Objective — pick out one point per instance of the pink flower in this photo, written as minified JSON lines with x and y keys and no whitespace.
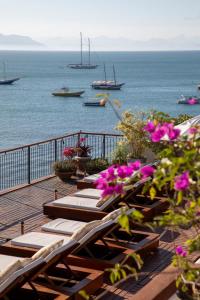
{"x":147,"y":171}
{"x":136,"y":165}
{"x":182,"y":182}
{"x":110,"y":190}
{"x":192,"y":130}
{"x":68,"y":152}
{"x":173,"y":133}
{"x":180,"y":251}
{"x":149,"y":127}
{"x":109,"y":174}
{"x":101,"y":184}
{"x":124,"y":171}
{"x":192,"y":101}
{"x":119,"y":189}
{"x":157,"y":135}
{"x":82,"y":140}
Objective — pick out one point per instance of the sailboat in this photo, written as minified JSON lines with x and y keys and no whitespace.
{"x":82,"y":65}
{"x":6,"y":80}
{"x":107,"y":84}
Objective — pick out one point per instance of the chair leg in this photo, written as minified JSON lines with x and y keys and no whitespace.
{"x":88,"y":251}
{"x":34,"y":289}
{"x":73,"y":275}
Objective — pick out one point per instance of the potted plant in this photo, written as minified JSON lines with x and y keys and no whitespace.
{"x":82,"y":156}
{"x":135,"y":138}
{"x":64,"y":169}
{"x":96,"y":165}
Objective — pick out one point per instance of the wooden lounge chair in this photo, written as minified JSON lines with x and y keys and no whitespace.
{"x":89,"y":181}
{"x":86,"y":205}
{"x":100,"y":240}
{"x":50,"y":278}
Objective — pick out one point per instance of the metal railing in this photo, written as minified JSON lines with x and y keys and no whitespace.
{"x":25,"y":164}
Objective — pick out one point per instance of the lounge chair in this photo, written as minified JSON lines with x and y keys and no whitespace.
{"x":87,"y":205}
{"x":89,"y":181}
{"x":100,"y":240}
{"x":54,"y":251}
{"x":16,"y":271}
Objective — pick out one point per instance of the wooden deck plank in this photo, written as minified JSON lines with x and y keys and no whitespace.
{"x":26,"y":204}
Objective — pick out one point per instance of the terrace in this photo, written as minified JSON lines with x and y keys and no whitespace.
{"x":27,"y":183}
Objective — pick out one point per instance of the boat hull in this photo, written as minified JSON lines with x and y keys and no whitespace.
{"x":94,"y":104}
{"x":186,"y":102}
{"x":8,"y":81}
{"x":107,"y":87}
{"x":68,"y":94}
{"x":80,"y":67}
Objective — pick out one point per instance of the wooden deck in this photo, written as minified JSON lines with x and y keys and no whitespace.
{"x":25,"y":204}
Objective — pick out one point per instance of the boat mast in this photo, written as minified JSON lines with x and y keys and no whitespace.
{"x":114,"y":75}
{"x":104,"y":67}
{"x":81,"y":48}
{"x":89,"y":51}
{"x":4,"y":70}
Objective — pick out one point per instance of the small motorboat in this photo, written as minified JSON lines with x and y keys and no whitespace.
{"x":100,"y":103}
{"x":65,"y":92}
{"x":190,"y":100}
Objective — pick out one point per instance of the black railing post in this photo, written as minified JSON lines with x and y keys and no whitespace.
{"x":79,"y":136}
{"x":104,"y":146}
{"x":29,"y":164}
{"x":55,"y":150}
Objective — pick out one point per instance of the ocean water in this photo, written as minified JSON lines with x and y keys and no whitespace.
{"x":29,"y":113}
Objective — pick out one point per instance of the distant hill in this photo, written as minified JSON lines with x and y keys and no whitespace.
{"x":14,"y":41}
{"x":103,"y":43}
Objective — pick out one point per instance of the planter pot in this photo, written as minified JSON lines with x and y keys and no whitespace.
{"x":64,"y":176}
{"x":184,"y":296}
{"x":81,"y":164}
{"x":132,"y":160}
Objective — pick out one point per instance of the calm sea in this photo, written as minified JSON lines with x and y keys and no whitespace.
{"x":29,"y":113}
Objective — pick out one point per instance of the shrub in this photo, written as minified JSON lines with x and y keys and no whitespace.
{"x":96,"y":165}
{"x":64,"y":166}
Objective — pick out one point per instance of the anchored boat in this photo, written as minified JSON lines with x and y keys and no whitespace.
{"x":107,"y":84}
{"x":190,"y":100}
{"x":6,"y":80}
{"x":65,"y":92}
{"x":81,"y":65}
{"x":100,"y":103}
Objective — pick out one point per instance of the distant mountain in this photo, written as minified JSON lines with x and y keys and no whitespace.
{"x":103,"y":43}
{"x":14,"y":41}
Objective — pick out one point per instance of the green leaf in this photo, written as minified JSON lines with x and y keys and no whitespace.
{"x":152,"y":192}
{"x":84,"y":295}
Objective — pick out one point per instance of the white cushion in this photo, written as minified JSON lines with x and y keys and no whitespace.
{"x":82,"y":232}
{"x":89,"y":193}
{"x":8,"y":267}
{"x":197,"y":261}
{"x":6,"y":260}
{"x":66,"y":245}
{"x":37,"y":240}
{"x":77,"y":202}
{"x":92,"y":178}
{"x":99,"y":227}
{"x":63,"y":226}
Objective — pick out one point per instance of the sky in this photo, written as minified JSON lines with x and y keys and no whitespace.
{"x":129,"y":19}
